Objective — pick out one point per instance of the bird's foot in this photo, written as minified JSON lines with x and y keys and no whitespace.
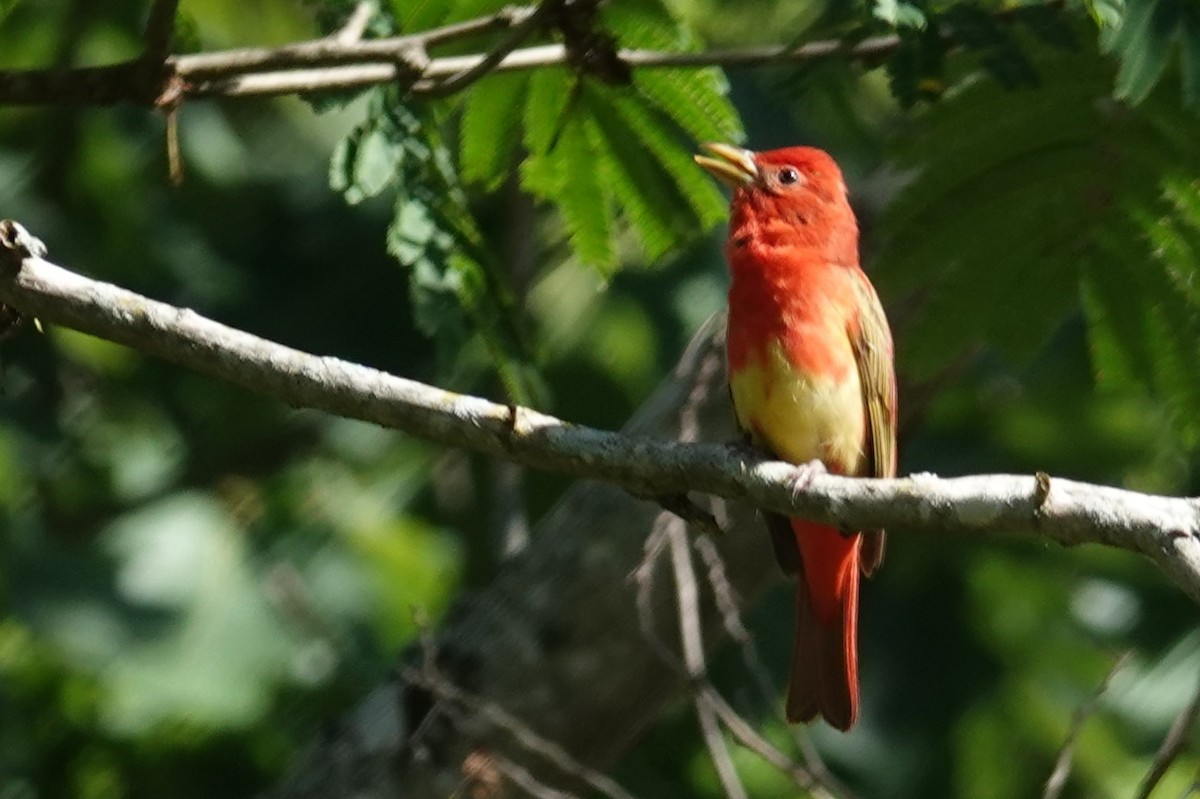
{"x":804,"y":475}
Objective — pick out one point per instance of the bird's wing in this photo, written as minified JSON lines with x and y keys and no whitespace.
{"x":872,"y":343}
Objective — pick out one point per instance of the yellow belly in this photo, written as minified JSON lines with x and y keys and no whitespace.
{"x":799,"y":417}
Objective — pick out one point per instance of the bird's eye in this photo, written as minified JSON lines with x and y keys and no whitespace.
{"x":788,"y":175}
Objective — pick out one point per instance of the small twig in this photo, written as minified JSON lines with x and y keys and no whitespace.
{"x":686,"y":509}
{"x":174,"y":157}
{"x":509,"y":518}
{"x":330,"y":51}
{"x":687,"y":594}
{"x":819,"y":786}
{"x":511,"y":41}
{"x":522,"y":778}
{"x":429,"y":677}
{"x":718,"y":751}
{"x":1063,"y":763}
{"x":643,"y":577}
{"x":1171,"y":745}
{"x":819,"y":783}
{"x":726,"y":600}
{"x":355,"y":26}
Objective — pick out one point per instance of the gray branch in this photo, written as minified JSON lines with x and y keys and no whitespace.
{"x":1165,"y":529}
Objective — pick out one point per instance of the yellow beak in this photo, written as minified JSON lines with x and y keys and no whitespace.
{"x":733,"y":166}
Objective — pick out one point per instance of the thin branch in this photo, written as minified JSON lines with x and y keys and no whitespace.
{"x":1171,"y":745}
{"x":430,"y":678}
{"x":355,"y":26}
{"x":324,"y":65}
{"x":709,"y":702}
{"x":819,"y":786}
{"x":1066,"y":754}
{"x":523,"y":779}
{"x":427,"y":80}
{"x":511,"y":41}
{"x":687,"y":594}
{"x":1165,"y":529}
{"x":727,"y":603}
{"x":330,"y":51}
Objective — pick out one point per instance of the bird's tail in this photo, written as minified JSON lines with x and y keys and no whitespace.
{"x":824,"y":678}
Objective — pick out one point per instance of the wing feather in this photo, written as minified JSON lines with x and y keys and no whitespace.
{"x":872,"y":343}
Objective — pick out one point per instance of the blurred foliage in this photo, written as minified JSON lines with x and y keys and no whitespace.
{"x":193,"y":578}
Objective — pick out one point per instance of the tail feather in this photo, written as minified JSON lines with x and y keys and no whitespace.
{"x":824,"y":676}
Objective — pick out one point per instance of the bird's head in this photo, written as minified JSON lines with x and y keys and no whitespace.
{"x":791,"y":193}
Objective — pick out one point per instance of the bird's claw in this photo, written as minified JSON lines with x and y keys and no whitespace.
{"x":804,"y":475}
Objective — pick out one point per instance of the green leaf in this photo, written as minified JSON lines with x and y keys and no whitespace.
{"x":604,"y":154}
{"x":1143,"y":47}
{"x":916,"y":69}
{"x":182,"y":557}
{"x":1155,"y":299}
{"x":1056,"y":201}
{"x":983,"y":32}
{"x":1143,"y":41}
{"x":997,"y":229}
{"x":899,"y":14}
{"x":424,"y":14}
{"x":491,"y":128}
{"x":695,"y":100}
{"x":415,"y":236}
{"x":635,"y":158}
{"x":651,"y":203}
{"x":376,"y":159}
{"x":1105,"y":13}
{"x":550,"y":91}
{"x":646,"y":24}
{"x":1048,"y":23}
{"x":1144,"y":309}
{"x":368,"y":159}
{"x":455,"y":287}
{"x":583,"y":198}
{"x":698,"y":190}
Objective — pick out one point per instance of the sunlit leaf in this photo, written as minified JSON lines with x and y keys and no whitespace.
{"x":583,"y":199}
{"x":491,"y":128}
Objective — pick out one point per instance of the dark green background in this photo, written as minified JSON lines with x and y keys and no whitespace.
{"x":193,"y":578}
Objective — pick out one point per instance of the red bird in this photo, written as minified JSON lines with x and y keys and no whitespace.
{"x":812,"y":379}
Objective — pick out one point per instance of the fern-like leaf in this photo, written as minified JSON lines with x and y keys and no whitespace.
{"x":491,"y":128}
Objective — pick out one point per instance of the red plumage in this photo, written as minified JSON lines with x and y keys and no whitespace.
{"x":811,"y":375}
